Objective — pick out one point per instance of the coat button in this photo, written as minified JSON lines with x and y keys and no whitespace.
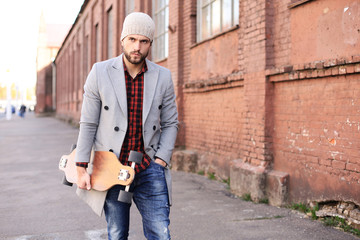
{"x":154,"y":127}
{"x":110,"y":150}
{"x":116,"y":129}
{"x":160,"y":107}
{"x":106,"y":108}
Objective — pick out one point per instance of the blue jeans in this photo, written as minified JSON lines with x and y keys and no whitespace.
{"x":151,"y":199}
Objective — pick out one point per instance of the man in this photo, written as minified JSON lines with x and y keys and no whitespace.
{"x":129,"y":104}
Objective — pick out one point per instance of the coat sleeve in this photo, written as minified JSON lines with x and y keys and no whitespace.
{"x":169,"y":123}
{"x":89,"y":119}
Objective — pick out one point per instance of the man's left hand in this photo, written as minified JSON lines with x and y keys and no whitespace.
{"x":160,"y":162}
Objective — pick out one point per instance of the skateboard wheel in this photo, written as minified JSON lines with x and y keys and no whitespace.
{"x":66,"y":182}
{"x":73,"y":146}
{"x":125,"y":197}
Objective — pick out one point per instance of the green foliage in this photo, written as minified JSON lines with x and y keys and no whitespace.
{"x":264,"y":201}
{"x":306,"y":209}
{"x":341,"y":223}
{"x":246,"y":197}
{"x":328,"y":221}
{"x":313,"y":212}
{"x":331,"y":221}
{"x":201,"y":172}
{"x":211,"y":176}
{"x":227,"y":181}
{"x":300,"y":207}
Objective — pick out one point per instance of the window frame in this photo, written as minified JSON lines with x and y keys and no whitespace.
{"x":203,"y":4}
{"x":109,"y":16}
{"x":129,"y":7}
{"x":97,"y":42}
{"x":160,"y":46}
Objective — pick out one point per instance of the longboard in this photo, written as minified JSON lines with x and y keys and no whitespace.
{"x":107,"y":170}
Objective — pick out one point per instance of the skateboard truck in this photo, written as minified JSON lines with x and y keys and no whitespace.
{"x":124,"y":195}
{"x":62,"y":165}
{"x":123,"y":175}
{"x":63,"y":162}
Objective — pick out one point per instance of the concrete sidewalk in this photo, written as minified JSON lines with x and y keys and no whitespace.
{"x":35,"y":205}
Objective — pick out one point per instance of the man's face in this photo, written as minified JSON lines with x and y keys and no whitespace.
{"x":136,"y":48}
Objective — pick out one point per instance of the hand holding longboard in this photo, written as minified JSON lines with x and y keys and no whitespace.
{"x":107,"y":171}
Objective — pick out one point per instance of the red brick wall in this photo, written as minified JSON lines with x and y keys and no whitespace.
{"x":316,"y":137}
{"x":174,"y":61}
{"x":44,"y":90}
{"x":215,"y":58}
{"x":213,"y":97}
{"x":315,"y":106}
{"x":213,"y":127}
{"x":330,"y":30}
{"x":254,"y":50}
{"x":279,"y":91}
{"x":278,"y":35}
{"x":187,"y":35}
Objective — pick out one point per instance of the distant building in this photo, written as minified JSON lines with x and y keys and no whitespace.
{"x":267,"y":91}
{"x":50,"y":39}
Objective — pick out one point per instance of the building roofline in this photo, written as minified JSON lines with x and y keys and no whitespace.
{"x":83,"y":6}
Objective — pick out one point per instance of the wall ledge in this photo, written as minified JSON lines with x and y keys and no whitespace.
{"x":316,"y":69}
{"x":295,"y":3}
{"x":216,"y":83}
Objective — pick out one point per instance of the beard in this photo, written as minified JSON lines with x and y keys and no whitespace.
{"x":134,"y":60}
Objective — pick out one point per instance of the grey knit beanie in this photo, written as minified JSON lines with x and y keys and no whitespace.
{"x":138,"y":23}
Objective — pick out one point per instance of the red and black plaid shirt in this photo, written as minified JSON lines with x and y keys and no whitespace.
{"x":134,"y":138}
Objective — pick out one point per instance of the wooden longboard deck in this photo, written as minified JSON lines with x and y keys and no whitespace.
{"x":107,"y":170}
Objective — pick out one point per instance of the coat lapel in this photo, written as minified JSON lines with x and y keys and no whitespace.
{"x":150,"y":82}
{"x":116,"y":73}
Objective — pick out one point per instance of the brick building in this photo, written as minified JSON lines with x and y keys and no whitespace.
{"x":268,"y":91}
{"x":49,"y":41}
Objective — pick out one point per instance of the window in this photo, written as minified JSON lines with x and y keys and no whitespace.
{"x":129,"y":6}
{"x":216,"y":16}
{"x":160,"y":48}
{"x":109,"y":33}
{"x":97,"y":43}
{"x":86,"y":55}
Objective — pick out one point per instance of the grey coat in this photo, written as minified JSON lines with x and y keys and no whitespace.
{"x":103,"y":122}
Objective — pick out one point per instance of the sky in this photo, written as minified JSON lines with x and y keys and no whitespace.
{"x":19,"y":26}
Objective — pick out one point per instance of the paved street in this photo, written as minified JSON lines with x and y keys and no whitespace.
{"x":35,"y":205}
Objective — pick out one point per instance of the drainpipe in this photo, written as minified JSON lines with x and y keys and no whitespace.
{"x":53,"y":65}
